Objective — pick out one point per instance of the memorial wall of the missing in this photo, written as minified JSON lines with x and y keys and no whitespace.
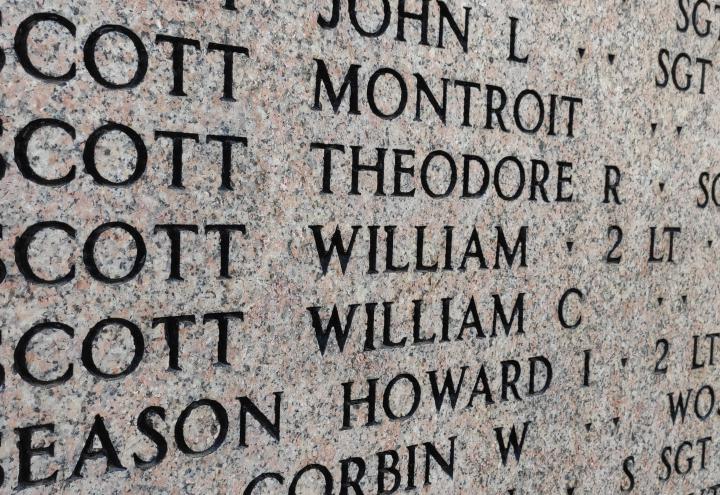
{"x":359,"y":247}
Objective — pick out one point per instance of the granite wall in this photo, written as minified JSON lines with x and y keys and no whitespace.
{"x":359,"y":247}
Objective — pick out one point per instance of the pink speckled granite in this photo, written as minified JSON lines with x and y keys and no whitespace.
{"x":579,"y":437}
